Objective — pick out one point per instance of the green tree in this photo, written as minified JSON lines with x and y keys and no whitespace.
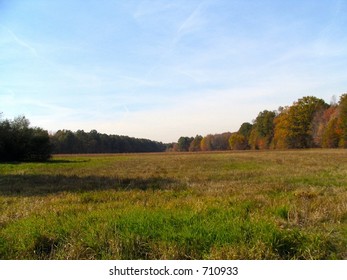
{"x":195,"y":144}
{"x":300,"y":126}
{"x":262,"y":132}
{"x":245,"y":129}
{"x":184,"y":143}
{"x":19,"y":142}
{"x":5,"y":140}
{"x":39,"y":146}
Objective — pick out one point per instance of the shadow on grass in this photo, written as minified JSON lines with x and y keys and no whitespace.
{"x":30,"y":185}
{"x":55,"y":161}
{"x":50,"y":161}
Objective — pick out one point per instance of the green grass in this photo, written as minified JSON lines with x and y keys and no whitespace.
{"x":233,"y":205}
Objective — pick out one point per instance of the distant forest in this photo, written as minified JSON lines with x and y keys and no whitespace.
{"x":308,"y":123}
{"x":68,"y":142}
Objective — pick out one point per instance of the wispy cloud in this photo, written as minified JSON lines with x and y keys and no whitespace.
{"x":20,"y":42}
{"x":193,"y":22}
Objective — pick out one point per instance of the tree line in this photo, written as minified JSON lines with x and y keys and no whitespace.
{"x":20,"y":142}
{"x":308,"y":123}
{"x":81,"y":142}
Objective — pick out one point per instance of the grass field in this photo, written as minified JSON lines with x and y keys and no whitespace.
{"x":232,"y":205}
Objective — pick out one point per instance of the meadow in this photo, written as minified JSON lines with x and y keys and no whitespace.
{"x":227,"y":205}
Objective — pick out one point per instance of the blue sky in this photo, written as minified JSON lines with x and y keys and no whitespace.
{"x":162,"y":69}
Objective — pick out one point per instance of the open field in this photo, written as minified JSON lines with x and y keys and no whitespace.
{"x":233,"y":205}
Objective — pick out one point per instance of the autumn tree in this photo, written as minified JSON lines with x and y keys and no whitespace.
{"x":206,"y":143}
{"x":343,"y":120}
{"x":237,"y":141}
{"x":220,"y":142}
{"x":281,"y":129}
{"x":319,"y":124}
{"x":332,"y":134}
{"x":195,"y":145}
